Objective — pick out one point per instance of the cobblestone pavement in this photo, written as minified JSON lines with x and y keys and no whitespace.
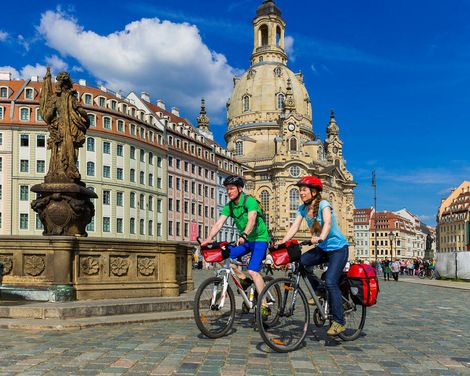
{"x":415,"y":329}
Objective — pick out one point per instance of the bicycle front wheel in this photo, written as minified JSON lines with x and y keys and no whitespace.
{"x":213,"y":319}
{"x":355,"y":318}
{"x":422,"y":274}
{"x":292,"y":316}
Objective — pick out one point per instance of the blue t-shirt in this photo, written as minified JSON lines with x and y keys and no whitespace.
{"x":335,"y":239}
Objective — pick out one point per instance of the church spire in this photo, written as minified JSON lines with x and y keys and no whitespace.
{"x":289,"y":103}
{"x":202,"y":119}
{"x":332,"y":128}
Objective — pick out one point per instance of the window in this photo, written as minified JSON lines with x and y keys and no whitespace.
{"x":178,"y":228}
{"x":159,"y":206}
{"x":4,"y":92}
{"x":294,"y":199}
{"x":91,"y":119}
{"x":119,"y":223}
{"x":38,"y":115}
{"x":88,"y":99}
{"x":119,"y":173}
{"x":120,"y":126}
{"x":159,"y":228}
{"x":151,"y":203}
{"x":39,"y":225}
{"x":24,"y":114}
{"x":1,"y":164}
{"x":90,"y":169}
{"x":159,"y":183}
{"x":239,"y":148}
{"x":170,"y":161}
{"x":150,"y":228}
{"x":40,"y":166}
{"x":24,"y":140}
{"x":106,"y":171}
{"x":159,"y":162}
{"x":101,"y":101}
{"x":178,"y":206}
{"x":132,"y":226}
{"x":142,"y":156}
{"x":24,"y":193}
{"x":2,"y":113}
{"x":170,"y":181}
{"x":186,"y":229}
{"x":91,"y":226}
{"x":29,"y":93}
{"x":132,"y":129}
{"x":132,"y":152}
{"x":151,"y":180}
{"x":106,"y":197}
{"x":23,"y":221}
{"x":141,"y":202}
{"x":170,"y":204}
{"x":151,"y":158}
{"x":106,"y":147}
{"x":293,"y":144}
{"x":246,"y":103}
{"x":170,"y":228}
{"x":132,"y":200}
{"x":24,"y":165}
{"x":113,"y":105}
{"x":40,"y":141}
{"x":178,"y":184}
{"x":142,"y":177}
{"x":294,"y":171}
{"x":132,"y":175}
{"x":142,"y":227}
{"x":90,"y":144}
{"x":280,"y":101}
{"x":106,"y":224}
{"x":119,"y":150}
{"x":119,"y":198}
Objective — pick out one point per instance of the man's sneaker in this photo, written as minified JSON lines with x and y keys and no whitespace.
{"x":246,"y":282}
{"x":335,"y":329}
{"x":265,"y":312}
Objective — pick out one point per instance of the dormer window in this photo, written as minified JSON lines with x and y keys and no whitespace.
{"x":101,"y":101}
{"x":4,"y":92}
{"x":24,"y":114}
{"x":88,"y":99}
{"x":106,"y":123}
{"x":29,"y":94}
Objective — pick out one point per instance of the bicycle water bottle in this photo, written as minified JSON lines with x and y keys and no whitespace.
{"x":252,"y":294}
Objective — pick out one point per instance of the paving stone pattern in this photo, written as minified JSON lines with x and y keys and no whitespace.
{"x":415,"y":329}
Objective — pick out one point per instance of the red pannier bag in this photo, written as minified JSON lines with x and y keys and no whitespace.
{"x":286,"y":253}
{"x":364,"y":284}
{"x":215,"y":252}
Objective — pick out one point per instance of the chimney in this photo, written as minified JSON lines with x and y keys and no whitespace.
{"x":161,"y":104}
{"x":145,"y":96}
{"x":118,"y":94}
{"x":34,"y":78}
{"x":175,"y":111}
{"x":5,"y":76}
{"x":82,"y":82}
{"x":103,"y":89}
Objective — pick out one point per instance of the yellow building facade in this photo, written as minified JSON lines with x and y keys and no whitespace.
{"x":269,"y":116}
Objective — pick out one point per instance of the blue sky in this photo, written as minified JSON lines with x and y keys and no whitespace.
{"x":396,"y":72}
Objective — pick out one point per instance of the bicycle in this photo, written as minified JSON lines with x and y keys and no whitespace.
{"x":214,"y":303}
{"x":423,"y":273}
{"x":292,"y":311}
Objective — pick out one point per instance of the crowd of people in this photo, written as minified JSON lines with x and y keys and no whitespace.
{"x":396,"y":267}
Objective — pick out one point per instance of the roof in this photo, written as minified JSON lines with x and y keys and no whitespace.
{"x":268,"y":7}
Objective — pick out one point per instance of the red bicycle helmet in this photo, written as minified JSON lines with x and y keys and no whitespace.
{"x":311,"y":182}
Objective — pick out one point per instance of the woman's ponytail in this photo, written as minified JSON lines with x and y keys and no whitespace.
{"x":316,"y":227}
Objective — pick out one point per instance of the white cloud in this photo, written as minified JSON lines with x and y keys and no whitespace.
{"x":3,"y":36}
{"x":289,"y":47}
{"x":167,"y":59}
{"x":26,"y":72}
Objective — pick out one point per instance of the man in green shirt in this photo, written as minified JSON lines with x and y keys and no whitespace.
{"x":249,"y":221}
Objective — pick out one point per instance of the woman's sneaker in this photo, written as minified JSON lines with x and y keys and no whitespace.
{"x":265,"y":312}
{"x":335,"y":329}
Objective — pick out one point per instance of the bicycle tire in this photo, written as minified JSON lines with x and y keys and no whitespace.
{"x":273,"y":318}
{"x":280,"y":336}
{"x":212,"y":322}
{"x":422,"y":274}
{"x":353,"y":326}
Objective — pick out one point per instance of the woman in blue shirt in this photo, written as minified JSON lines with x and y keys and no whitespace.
{"x":331,"y":244}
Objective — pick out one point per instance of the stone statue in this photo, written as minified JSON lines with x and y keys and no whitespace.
{"x":67,"y":123}
{"x":64,"y":204}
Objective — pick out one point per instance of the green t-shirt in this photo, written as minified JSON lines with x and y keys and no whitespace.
{"x":259,"y":232}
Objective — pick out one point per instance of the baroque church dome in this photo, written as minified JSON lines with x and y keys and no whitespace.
{"x":259,"y":94}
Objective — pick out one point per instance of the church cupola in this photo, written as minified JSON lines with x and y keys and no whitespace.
{"x":333,"y":145}
{"x":269,"y":28}
{"x":332,"y":128}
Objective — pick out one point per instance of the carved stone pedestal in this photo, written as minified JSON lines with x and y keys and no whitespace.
{"x":64,"y":208}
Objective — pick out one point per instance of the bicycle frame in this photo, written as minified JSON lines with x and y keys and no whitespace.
{"x":224,"y":273}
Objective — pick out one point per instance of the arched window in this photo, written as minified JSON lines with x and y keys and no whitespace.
{"x":280,"y":101}
{"x":246,"y":103}
{"x":278,"y":37}
{"x":90,"y":169}
{"x":293,"y":144}
{"x":264,"y":196}
{"x":294,"y":199}
{"x":263,"y":35}
{"x":239,"y":148}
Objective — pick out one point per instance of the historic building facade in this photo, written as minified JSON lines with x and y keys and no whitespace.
{"x":453,"y":220}
{"x":362,"y":219}
{"x":269,"y":117}
{"x":156,"y":175}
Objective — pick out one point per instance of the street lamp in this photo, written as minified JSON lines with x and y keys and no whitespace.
{"x":392,"y":237}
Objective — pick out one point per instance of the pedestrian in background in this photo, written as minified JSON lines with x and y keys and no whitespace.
{"x":395,"y":268}
{"x":386,"y":268}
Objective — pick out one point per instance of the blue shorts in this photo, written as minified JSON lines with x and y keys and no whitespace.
{"x":258,"y":253}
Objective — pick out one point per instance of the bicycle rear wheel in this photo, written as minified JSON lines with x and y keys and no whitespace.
{"x":355,"y":318}
{"x":422,"y":274}
{"x":214,"y":321}
{"x":289,"y":329}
